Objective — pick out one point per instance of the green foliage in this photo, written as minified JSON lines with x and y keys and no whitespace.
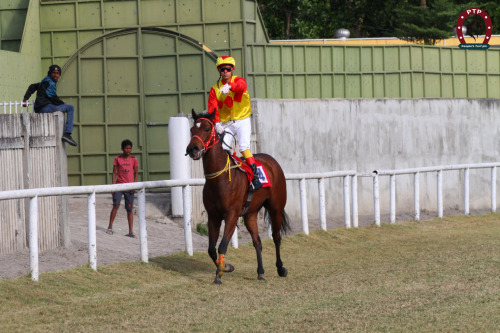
{"x":312,"y":19}
{"x":426,"y":24}
{"x":202,"y":228}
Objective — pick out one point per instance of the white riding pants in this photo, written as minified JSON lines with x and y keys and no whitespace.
{"x":242,"y":129}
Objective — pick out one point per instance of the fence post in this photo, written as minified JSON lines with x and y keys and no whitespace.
{"x":303,"y":205}
{"x":494,"y":189}
{"x":322,"y":204}
{"x":354,"y":194}
{"x":92,"y":231}
{"x":393,"y":199}
{"x":440,"y":193}
{"x":33,"y":237}
{"x":27,"y":174}
{"x":416,"y":194}
{"x":143,"y":231}
{"x":347,"y":202}
{"x":187,"y":211}
{"x":466,"y":191}
{"x":376,"y":200}
{"x":269,"y":230}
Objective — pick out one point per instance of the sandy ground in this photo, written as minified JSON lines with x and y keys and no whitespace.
{"x":165,"y":235}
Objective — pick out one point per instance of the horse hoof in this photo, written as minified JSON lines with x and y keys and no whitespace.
{"x":260,"y":277}
{"x":218,"y":279}
{"x":282,"y":272}
{"x":228,"y":268}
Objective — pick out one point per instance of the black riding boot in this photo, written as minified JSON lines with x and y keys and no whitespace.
{"x":255,"y":181}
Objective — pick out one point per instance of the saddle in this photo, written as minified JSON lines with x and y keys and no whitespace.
{"x":243,"y":167}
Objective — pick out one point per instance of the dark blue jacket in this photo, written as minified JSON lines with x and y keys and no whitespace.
{"x":46,"y":93}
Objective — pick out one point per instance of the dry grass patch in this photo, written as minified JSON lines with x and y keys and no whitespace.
{"x":440,"y":275}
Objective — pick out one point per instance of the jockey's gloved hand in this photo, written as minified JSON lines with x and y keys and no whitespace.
{"x":225,"y":89}
{"x":219,"y":128}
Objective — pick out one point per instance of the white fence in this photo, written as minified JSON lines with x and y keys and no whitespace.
{"x":349,"y":197}
{"x":16,"y":107}
{"x":346,"y":175}
{"x":439,"y":187}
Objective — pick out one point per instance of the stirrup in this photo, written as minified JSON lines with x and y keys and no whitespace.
{"x":255,"y":184}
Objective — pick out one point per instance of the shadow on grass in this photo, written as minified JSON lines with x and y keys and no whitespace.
{"x":184,"y":264}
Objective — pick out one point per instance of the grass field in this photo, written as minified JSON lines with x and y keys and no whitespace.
{"x":441,"y":275}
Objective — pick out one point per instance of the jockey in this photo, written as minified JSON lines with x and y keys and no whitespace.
{"x":230,"y":101}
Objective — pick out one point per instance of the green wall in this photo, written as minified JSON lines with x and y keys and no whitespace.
{"x":21,"y":65}
{"x":405,"y":71}
{"x":224,"y":26}
{"x":129,"y":65}
{"x":12,"y":19}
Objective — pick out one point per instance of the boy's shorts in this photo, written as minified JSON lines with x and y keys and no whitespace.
{"x":129,"y":199}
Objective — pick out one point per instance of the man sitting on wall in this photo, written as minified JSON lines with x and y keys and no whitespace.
{"x":47,"y":100}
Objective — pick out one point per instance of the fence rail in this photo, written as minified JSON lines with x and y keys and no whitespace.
{"x":439,"y":187}
{"x":349,"y":195}
{"x":17,"y":107}
{"x":346,"y":176}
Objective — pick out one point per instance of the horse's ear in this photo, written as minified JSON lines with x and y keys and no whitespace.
{"x":194,"y":114}
{"x":212,"y":115}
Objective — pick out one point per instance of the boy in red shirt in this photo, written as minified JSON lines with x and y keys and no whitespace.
{"x":125,"y":170}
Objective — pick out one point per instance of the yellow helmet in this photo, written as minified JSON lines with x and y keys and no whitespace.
{"x":225,"y":60}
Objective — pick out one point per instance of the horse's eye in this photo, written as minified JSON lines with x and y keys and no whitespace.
{"x":207,"y":129}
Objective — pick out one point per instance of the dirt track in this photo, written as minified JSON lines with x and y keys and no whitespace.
{"x":164,"y":237}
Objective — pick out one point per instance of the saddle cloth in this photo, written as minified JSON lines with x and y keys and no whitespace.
{"x":263,"y":177}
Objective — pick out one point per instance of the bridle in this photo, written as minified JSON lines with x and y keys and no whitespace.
{"x":212,"y":141}
{"x":213,"y":137}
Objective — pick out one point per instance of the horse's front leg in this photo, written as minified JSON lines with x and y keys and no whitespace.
{"x":213,"y":234}
{"x":229,"y":227}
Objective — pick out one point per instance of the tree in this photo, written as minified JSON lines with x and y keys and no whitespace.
{"x":278,"y":15}
{"x":301,"y":19}
{"x":419,"y":20}
{"x":426,"y":23}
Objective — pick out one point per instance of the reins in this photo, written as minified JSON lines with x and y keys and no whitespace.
{"x":227,"y":167}
{"x":206,"y":146}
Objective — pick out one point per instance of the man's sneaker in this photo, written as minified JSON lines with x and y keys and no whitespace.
{"x":67,"y":138}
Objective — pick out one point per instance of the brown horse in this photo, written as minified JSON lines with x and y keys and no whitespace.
{"x":225,"y":194}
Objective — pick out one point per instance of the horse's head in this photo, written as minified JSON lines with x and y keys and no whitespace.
{"x":203,"y":135}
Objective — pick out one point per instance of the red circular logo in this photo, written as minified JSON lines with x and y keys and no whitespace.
{"x":474,"y":11}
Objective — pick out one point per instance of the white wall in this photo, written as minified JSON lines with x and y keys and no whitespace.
{"x":318,"y":135}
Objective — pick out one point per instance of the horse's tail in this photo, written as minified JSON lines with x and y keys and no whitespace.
{"x":285,"y":225}
{"x":285,"y":222}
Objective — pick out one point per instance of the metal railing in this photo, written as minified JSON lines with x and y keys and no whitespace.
{"x":34,"y":194}
{"x":349,"y":178}
{"x":439,"y":187}
{"x":16,"y":107}
{"x":350,"y":197}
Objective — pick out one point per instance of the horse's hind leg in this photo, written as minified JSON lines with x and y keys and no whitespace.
{"x":251,"y":224}
{"x":277,"y":220}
